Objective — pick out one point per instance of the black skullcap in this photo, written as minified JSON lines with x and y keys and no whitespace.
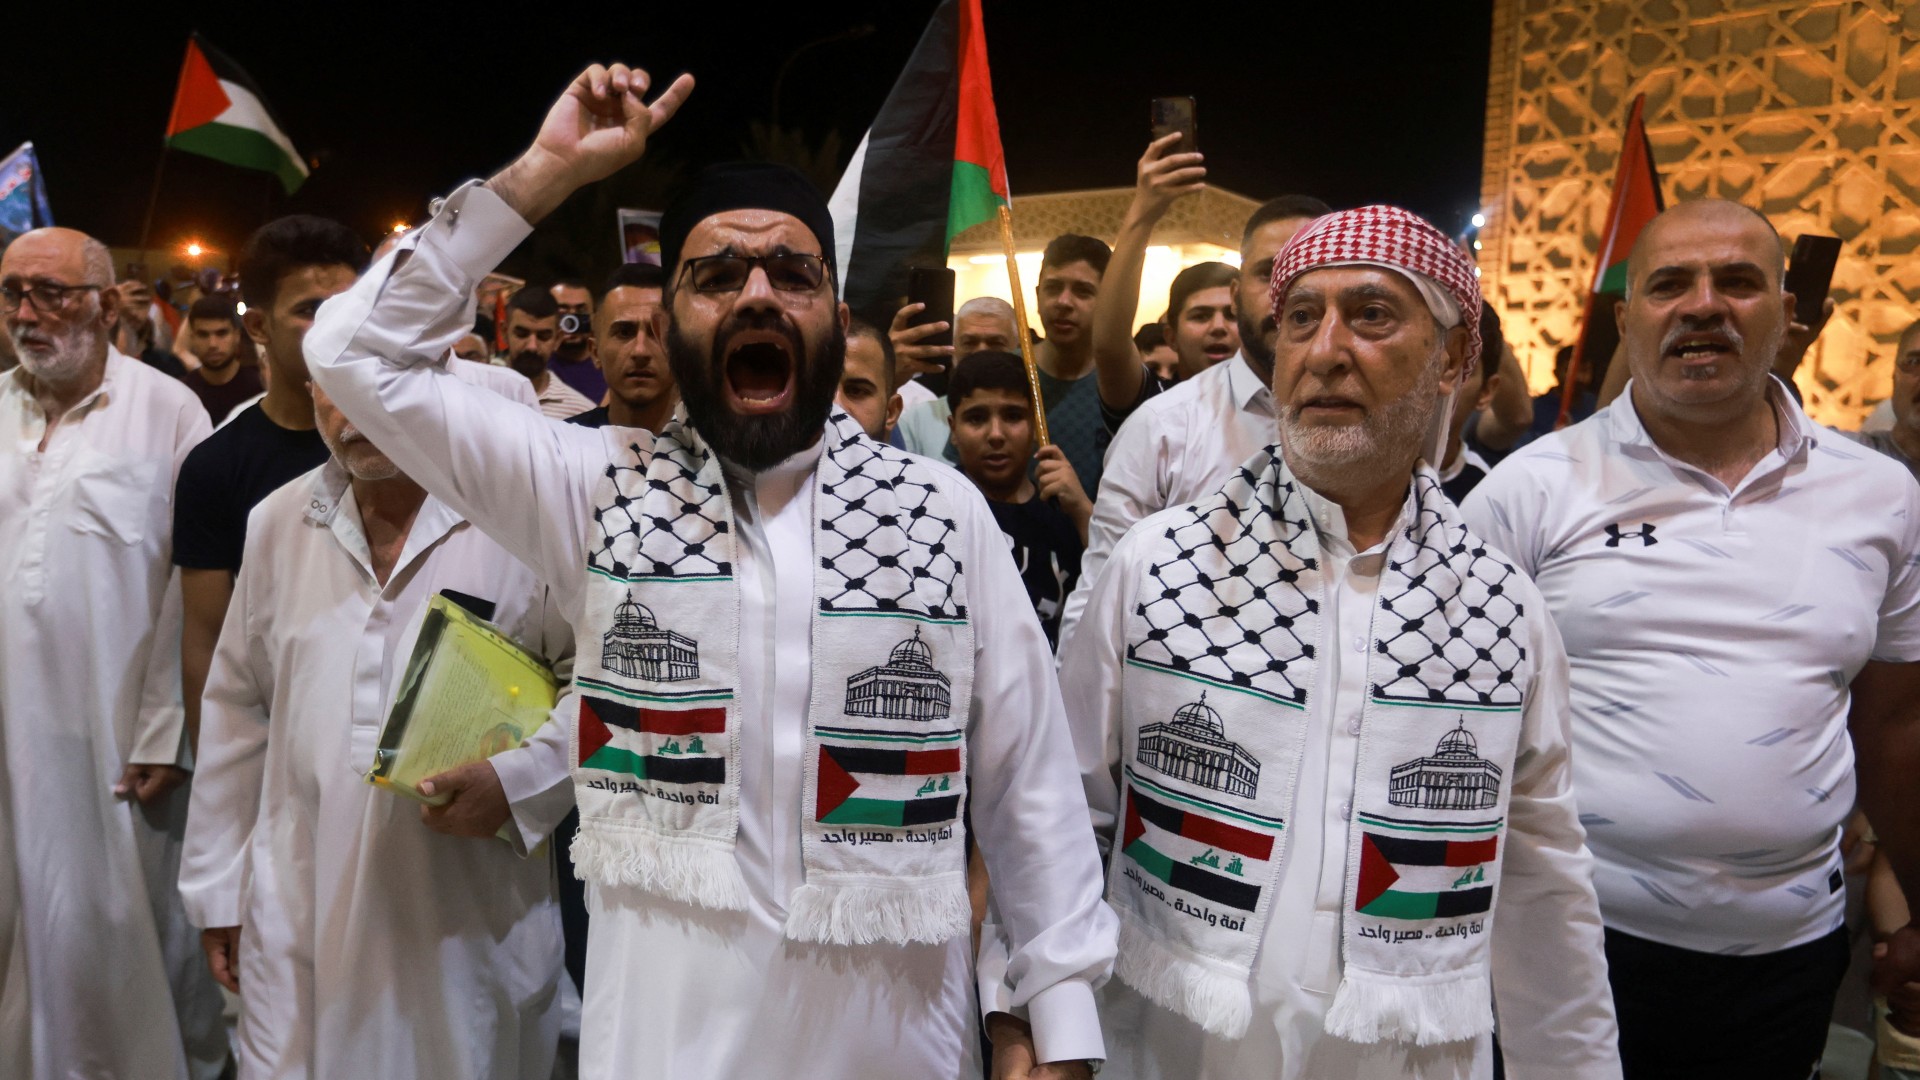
{"x":744,"y":185}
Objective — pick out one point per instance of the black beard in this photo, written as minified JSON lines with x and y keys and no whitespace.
{"x":1253,"y":346}
{"x":756,"y":443}
{"x":570,"y":351}
{"x":528,"y":363}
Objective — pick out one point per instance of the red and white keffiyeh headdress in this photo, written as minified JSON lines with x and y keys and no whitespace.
{"x":1398,"y":240}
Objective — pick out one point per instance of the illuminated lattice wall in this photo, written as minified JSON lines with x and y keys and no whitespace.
{"x":1809,"y":112}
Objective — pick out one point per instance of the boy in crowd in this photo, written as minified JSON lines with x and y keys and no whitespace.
{"x":1044,"y":516}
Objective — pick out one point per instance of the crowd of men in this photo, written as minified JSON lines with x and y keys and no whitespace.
{"x":1311,"y":704}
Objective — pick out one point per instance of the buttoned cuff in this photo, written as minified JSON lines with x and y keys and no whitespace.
{"x":158,"y":737}
{"x":475,"y":229}
{"x":208,"y":908}
{"x":539,"y":791}
{"x":1066,"y":1024}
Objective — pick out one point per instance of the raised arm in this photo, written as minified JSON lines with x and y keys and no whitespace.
{"x":1160,"y":180}
{"x":376,"y":349}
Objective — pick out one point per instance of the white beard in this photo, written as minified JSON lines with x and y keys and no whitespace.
{"x":1353,"y":454}
{"x":73,"y":352}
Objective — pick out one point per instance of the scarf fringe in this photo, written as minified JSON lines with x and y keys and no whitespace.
{"x":927,"y":911}
{"x":1371,"y":1007}
{"x":1217,"y":1001}
{"x":688,"y":871}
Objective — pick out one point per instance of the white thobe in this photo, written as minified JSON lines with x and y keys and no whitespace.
{"x":1176,"y":447}
{"x":370,"y":946}
{"x":102,"y":974}
{"x":1549,"y":973}
{"x":675,"y":990}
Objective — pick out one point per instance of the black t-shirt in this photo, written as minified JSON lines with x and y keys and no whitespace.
{"x":164,"y":362}
{"x":221,"y":400}
{"x":594,"y":417}
{"x":225,"y":477}
{"x":1046,"y":550}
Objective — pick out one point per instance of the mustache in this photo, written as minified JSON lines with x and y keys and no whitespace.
{"x":1713,"y":324}
{"x":772,"y":322}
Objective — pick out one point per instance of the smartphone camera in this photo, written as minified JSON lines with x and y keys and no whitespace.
{"x":572,"y":322}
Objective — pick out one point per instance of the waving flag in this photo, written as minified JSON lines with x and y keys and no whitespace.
{"x":1636,"y":201}
{"x":23,"y":194}
{"x":929,"y":168}
{"x":219,"y":113}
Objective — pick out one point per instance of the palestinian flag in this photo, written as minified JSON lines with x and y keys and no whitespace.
{"x":219,"y":113}
{"x":1403,"y":878}
{"x":930,"y":167}
{"x":860,"y":785}
{"x":1636,"y":200}
{"x":676,"y":753}
{"x":1196,"y":846}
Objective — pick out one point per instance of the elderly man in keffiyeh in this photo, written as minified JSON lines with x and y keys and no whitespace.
{"x":799,"y":651}
{"x":1323,"y":728}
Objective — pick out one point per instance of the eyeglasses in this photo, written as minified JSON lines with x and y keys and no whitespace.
{"x":791,"y":272}
{"x":47,"y":295}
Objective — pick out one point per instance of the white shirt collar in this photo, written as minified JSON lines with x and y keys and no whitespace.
{"x":332,"y":490}
{"x":1796,"y":433}
{"x":1249,"y":391}
{"x":1330,"y":520}
{"x":115,"y":362}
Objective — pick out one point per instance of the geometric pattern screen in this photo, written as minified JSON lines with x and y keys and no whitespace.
{"x":1807,"y":112}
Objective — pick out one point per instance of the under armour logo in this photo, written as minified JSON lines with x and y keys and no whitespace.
{"x":1644,"y":534}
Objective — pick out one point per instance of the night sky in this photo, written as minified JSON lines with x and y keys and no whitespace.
{"x":1354,"y":103}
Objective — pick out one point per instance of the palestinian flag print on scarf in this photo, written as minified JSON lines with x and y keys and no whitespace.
{"x":679,"y":753}
{"x":1442,"y":874}
{"x":896,"y":788}
{"x":1195,"y":846}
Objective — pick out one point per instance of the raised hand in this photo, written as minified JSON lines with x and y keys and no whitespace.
{"x":1163,"y":178}
{"x":599,"y":125}
{"x":1054,"y":478}
{"x":911,"y":358}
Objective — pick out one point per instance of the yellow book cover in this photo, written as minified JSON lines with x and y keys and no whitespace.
{"x":469,"y":693}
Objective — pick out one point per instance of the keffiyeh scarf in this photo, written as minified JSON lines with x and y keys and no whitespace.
{"x":1221,"y":659}
{"x":658,"y":743}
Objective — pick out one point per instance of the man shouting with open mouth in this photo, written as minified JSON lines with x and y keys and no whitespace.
{"x":799,"y":651}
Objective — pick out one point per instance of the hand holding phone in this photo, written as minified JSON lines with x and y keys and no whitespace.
{"x":932,"y":286}
{"x":1177,"y":114}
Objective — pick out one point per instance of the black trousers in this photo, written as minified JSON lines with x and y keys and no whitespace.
{"x":1689,"y":1015}
{"x":573,"y":901}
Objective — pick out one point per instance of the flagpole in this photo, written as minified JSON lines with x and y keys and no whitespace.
{"x":1635,"y":127}
{"x":153,"y":200}
{"x":1020,"y":328}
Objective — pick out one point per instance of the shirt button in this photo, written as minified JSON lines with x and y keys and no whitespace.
{"x":1346,"y":810}
{"x":1359,"y":643}
{"x":1353,"y":725}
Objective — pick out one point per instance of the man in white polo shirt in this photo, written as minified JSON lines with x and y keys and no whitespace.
{"x":1737,"y":588}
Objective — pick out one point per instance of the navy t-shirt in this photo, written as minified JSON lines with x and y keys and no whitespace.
{"x":1046,"y":549}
